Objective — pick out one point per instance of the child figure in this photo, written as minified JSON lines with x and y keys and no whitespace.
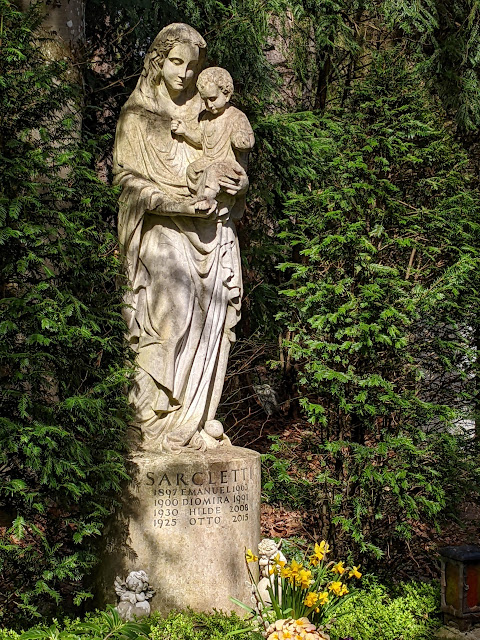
{"x":225,"y":135}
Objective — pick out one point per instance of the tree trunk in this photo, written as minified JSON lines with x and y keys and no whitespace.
{"x":64,"y":20}
{"x":62,"y":35}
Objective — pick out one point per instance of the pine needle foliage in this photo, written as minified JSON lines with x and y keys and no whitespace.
{"x":357,"y":160}
{"x":62,"y":354}
{"x":381,"y":304}
{"x":331,"y":45}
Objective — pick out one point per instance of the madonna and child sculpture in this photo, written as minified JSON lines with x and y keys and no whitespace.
{"x":180,"y":158}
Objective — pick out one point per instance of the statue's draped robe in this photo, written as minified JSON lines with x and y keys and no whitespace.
{"x":184,"y":273}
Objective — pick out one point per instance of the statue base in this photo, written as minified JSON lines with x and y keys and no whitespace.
{"x":186,"y":521}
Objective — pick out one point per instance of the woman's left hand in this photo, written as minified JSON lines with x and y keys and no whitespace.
{"x":234,"y":183}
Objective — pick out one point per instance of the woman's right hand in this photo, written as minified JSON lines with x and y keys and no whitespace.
{"x":178,"y":127}
{"x":206,"y":207}
{"x":199,"y":209}
{"x":188,"y":207}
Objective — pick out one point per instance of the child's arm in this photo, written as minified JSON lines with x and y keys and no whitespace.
{"x":242,"y":139}
{"x":192,"y":136}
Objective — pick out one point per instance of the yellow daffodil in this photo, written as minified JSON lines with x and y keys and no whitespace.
{"x":339,"y":568}
{"x":323,"y":597}
{"x":250,"y":556}
{"x":276,"y":560}
{"x":336,"y":587}
{"x":294,"y":576}
{"x":285,"y":572}
{"x":343,"y":590}
{"x":355,"y":573}
{"x":295,"y":567}
{"x":304,"y":578}
{"x":310,"y":599}
{"x":319,"y":552}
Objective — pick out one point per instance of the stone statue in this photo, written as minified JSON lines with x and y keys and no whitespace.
{"x":134,"y":595}
{"x":269,"y":554}
{"x":181,"y":157}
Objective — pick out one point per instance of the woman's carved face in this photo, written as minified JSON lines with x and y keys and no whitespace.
{"x":179,"y":68}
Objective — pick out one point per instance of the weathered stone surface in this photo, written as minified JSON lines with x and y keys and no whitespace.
{"x":451,"y":633}
{"x":193,"y":505}
{"x":128,"y":611}
{"x":268,"y":550}
{"x":186,"y":521}
{"x":134,"y":594}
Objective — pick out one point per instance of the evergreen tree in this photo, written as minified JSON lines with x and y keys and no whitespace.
{"x":381,"y":304}
{"x":62,"y":355}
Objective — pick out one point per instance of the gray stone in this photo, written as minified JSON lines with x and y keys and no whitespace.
{"x":268,"y":550}
{"x":128,"y":611}
{"x":134,"y":594}
{"x":186,"y":521}
{"x":452,"y":633}
{"x":449,"y":633}
{"x":193,"y":504}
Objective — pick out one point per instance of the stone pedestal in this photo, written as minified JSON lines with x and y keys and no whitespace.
{"x":186,"y":520}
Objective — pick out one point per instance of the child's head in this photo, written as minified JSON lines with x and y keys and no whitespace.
{"x":215,"y":85}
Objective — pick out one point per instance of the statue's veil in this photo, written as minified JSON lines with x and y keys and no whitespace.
{"x":173,"y":34}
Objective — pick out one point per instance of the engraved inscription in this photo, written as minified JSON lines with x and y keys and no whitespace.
{"x":200,"y":498}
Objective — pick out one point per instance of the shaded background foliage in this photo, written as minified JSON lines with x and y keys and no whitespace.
{"x":363,"y":213}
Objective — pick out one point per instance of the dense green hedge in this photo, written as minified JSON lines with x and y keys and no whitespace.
{"x":381,"y":307}
{"x":62,"y":354}
{"x":363,"y":161}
